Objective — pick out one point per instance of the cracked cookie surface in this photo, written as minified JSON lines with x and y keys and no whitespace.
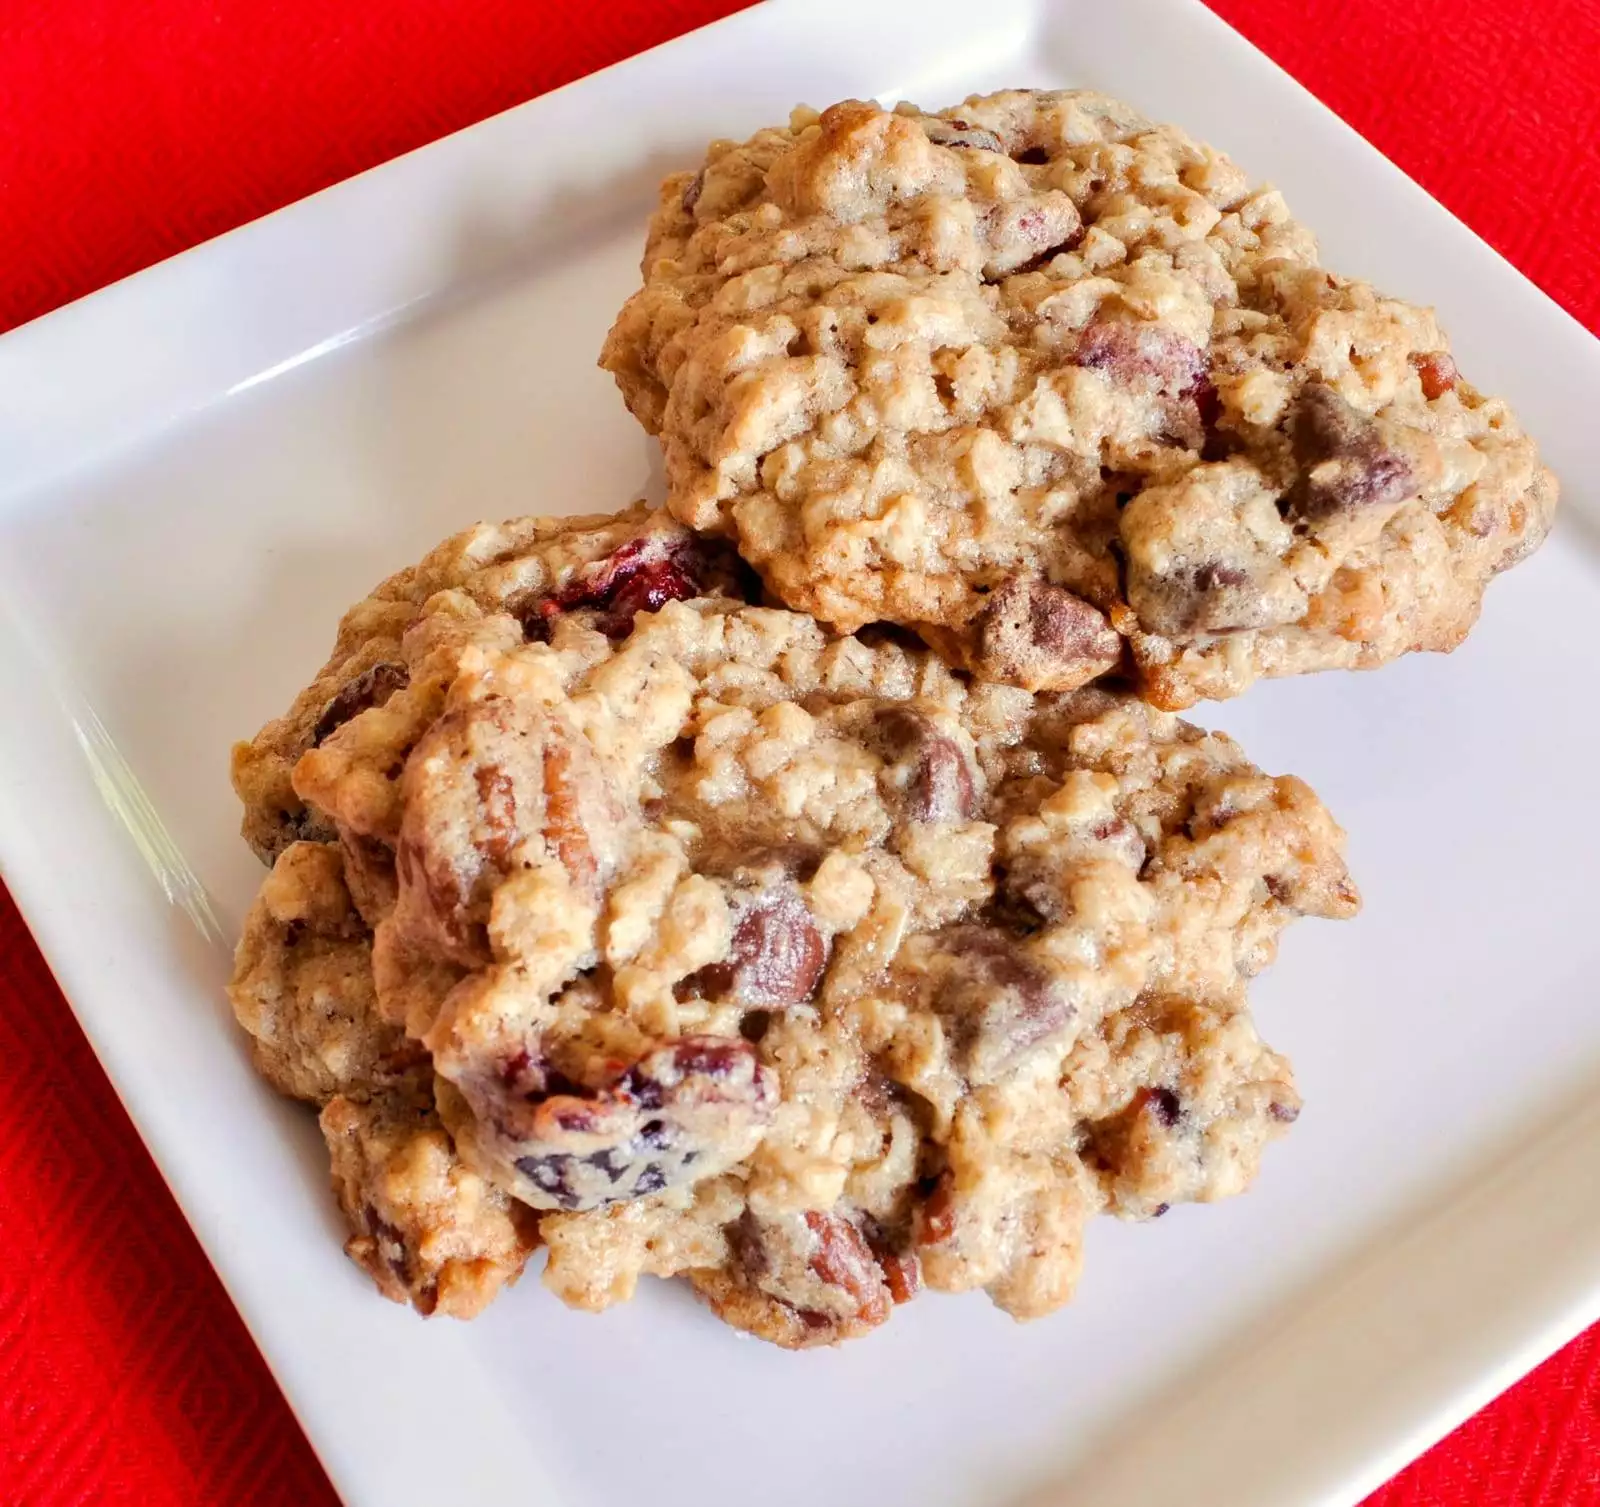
{"x":806,"y":967}
{"x":1066,"y":392}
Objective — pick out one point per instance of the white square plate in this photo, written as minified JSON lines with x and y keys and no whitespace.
{"x":201,"y":467}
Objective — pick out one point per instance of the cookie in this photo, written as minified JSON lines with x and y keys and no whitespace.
{"x":602,"y":568}
{"x":426,"y":1229}
{"x":1065,"y":392}
{"x":302,"y":987}
{"x":807,"y":967}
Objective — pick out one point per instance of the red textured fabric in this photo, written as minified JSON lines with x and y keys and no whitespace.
{"x":131,"y":131}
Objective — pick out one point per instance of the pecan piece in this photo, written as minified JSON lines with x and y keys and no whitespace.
{"x":896,"y":1256}
{"x":492,"y":784}
{"x":799,"y":1280}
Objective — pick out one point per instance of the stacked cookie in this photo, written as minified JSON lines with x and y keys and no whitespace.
{"x":807,"y":889}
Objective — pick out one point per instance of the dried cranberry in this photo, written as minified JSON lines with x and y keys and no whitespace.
{"x":1215,"y":575}
{"x":1123,"y":839}
{"x":703,"y":1056}
{"x":642,"y":576}
{"x":686,"y":1110}
{"x":515,"y":1067}
{"x":1437,"y":372}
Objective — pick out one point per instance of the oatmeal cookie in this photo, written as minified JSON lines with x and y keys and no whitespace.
{"x":302,"y":987}
{"x":427,"y":1230}
{"x":603,"y":568}
{"x":1064,"y":391}
{"x":807,"y":967}
{"x":423,"y":1226}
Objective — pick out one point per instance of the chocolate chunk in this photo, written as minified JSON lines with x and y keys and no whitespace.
{"x":776,"y":957}
{"x":1346,"y":465}
{"x":1212,"y":597}
{"x":371,"y":688}
{"x":929,"y":775}
{"x":998,"y":1002}
{"x":1164,"y":1105}
{"x":1042,"y":637}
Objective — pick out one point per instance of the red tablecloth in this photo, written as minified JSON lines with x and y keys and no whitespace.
{"x":130,"y":129}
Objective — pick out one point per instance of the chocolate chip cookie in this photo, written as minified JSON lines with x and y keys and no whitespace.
{"x":801,"y":964}
{"x":1065,"y":392}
